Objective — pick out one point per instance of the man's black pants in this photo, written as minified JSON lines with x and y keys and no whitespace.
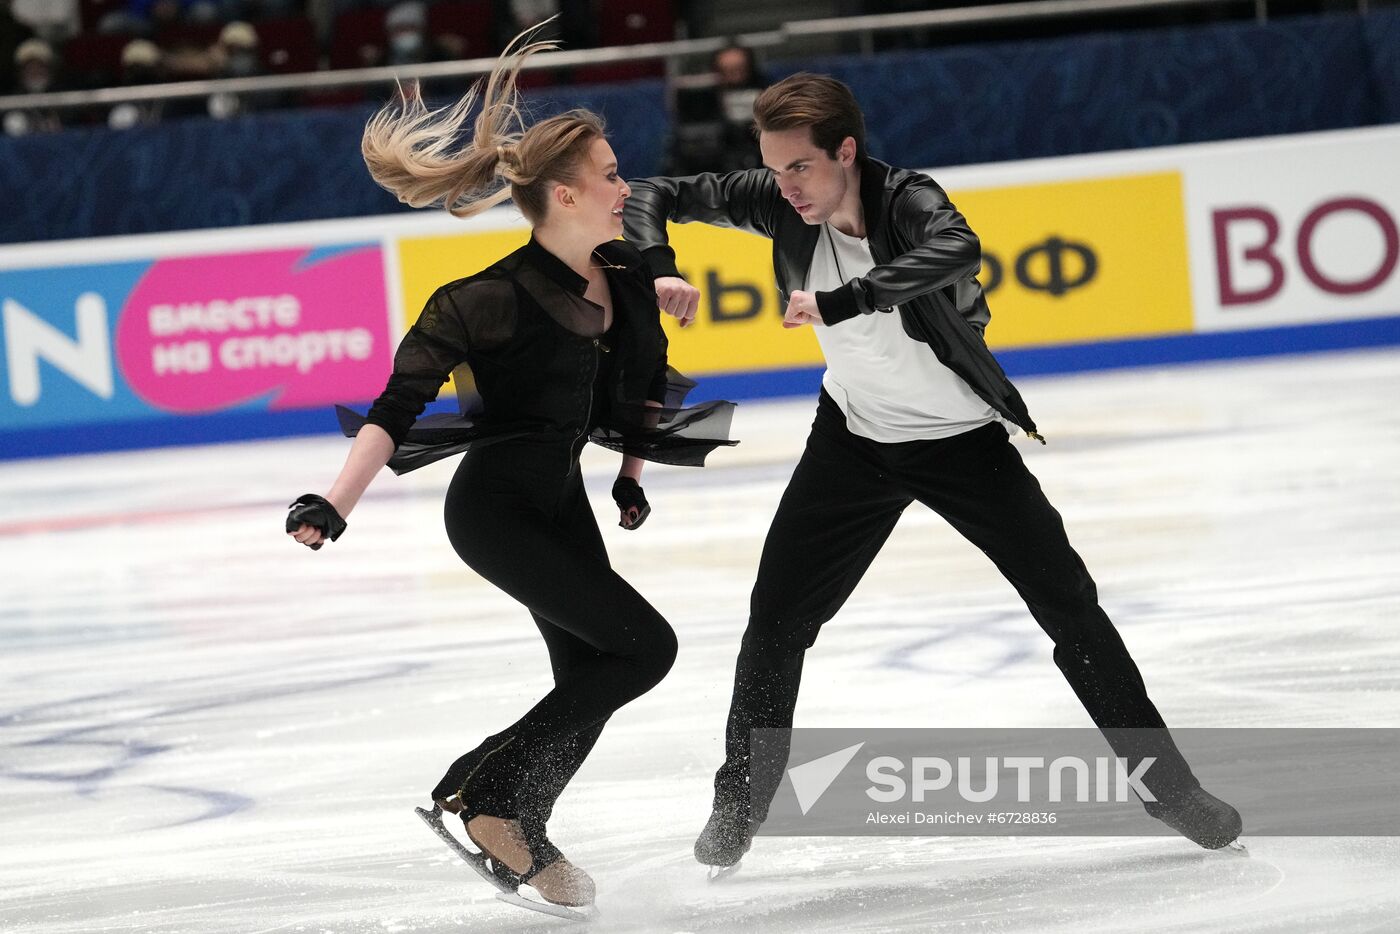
{"x":840,"y":506}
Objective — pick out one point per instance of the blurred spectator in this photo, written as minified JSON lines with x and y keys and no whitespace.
{"x":576,"y":26}
{"x":53,"y":20}
{"x":406,"y":27}
{"x":34,"y":60}
{"x":713,"y":121}
{"x":144,"y":17}
{"x":169,"y":12}
{"x":233,"y":55}
{"x":236,"y":54}
{"x":409,"y":42}
{"x":12,"y":34}
{"x":734,"y":68}
{"x":141,"y":64}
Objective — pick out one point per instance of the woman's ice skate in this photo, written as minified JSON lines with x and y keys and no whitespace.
{"x":504,"y":861}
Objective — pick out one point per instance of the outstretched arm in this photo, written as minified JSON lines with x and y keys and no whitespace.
{"x":747,"y":200}
{"x":435,"y":344}
{"x":371,"y":451}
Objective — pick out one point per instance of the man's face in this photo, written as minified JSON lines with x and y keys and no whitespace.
{"x":732,"y":68}
{"x":812,"y":182}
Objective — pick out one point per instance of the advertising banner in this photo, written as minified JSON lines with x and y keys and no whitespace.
{"x":132,"y":340}
{"x":1062,"y":263}
{"x":1114,"y":259}
{"x":1310,"y":236}
{"x":1083,"y":260}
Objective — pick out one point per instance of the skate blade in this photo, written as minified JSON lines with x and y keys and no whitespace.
{"x":587,"y":913}
{"x":1235,"y":848}
{"x":718,"y":873}
{"x":476,"y":861}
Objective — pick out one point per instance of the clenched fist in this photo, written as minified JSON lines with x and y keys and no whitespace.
{"x":802,"y":309}
{"x":677,"y":298}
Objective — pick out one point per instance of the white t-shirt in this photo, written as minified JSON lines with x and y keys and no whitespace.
{"x":890,"y":386}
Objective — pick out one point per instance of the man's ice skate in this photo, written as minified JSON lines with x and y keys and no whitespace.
{"x":727,"y":836}
{"x":505,"y":862}
{"x":1200,"y":817}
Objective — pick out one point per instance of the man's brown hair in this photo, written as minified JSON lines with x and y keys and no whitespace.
{"x":820,"y":102}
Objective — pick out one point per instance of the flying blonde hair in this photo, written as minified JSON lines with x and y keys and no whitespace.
{"x":413,"y":152}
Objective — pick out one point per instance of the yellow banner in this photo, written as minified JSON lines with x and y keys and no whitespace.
{"x":426,"y":263}
{"x":1080,"y":261}
{"x":739,"y":326}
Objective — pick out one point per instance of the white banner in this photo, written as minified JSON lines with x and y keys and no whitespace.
{"x":1295,"y":231}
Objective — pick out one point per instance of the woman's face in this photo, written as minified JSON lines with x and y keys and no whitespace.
{"x":598,"y":194}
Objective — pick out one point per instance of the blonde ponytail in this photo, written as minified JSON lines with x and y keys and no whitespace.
{"x":412,"y":151}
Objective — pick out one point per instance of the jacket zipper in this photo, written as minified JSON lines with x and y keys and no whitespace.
{"x":588,"y":415}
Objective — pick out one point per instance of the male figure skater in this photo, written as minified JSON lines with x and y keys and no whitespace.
{"x":913,"y":407}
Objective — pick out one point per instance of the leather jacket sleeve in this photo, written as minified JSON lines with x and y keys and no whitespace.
{"x":945,"y":252}
{"x":746,"y":200}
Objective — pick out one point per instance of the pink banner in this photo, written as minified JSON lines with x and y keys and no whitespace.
{"x":203,"y":333}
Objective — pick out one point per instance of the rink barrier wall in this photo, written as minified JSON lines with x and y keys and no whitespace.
{"x":1030,"y":99}
{"x":763,"y":384}
{"x":1148,"y":257}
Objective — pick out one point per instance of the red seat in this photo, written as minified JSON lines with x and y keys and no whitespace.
{"x":628,"y":22}
{"x":94,"y":60}
{"x":287,"y":45}
{"x":469,"y":19}
{"x":188,"y":35}
{"x":353,"y":30}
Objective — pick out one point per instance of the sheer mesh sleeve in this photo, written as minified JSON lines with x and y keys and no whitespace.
{"x":430,"y":350}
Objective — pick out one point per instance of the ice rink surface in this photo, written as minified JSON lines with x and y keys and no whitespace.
{"x":205,"y":728}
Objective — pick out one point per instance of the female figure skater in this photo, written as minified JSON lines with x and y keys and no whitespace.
{"x":563,"y":340}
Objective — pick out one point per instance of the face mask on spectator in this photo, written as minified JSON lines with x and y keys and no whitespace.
{"x":242,"y":64}
{"x":406,"y":42}
{"x":35,"y":80}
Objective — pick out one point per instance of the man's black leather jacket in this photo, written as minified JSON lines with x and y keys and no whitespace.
{"x":926,"y":258}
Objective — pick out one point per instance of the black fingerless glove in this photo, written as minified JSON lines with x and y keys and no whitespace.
{"x":627,"y":493}
{"x":313,"y":510}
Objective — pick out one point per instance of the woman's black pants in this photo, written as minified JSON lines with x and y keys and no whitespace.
{"x":517,"y":513}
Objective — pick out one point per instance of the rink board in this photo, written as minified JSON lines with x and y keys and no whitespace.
{"x":1093,"y":262}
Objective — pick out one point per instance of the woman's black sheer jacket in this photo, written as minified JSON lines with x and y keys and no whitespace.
{"x":530,"y":359}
